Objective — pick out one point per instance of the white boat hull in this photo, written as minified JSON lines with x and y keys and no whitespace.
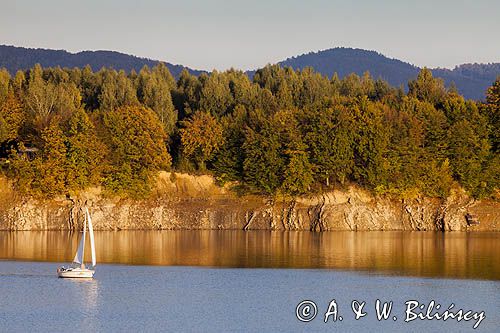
{"x":75,"y":273}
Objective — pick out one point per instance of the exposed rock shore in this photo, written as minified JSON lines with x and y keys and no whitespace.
{"x":194,"y":202}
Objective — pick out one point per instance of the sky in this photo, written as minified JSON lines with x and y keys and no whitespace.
{"x":220,"y":34}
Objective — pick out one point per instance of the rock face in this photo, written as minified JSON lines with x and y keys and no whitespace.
{"x":194,"y":202}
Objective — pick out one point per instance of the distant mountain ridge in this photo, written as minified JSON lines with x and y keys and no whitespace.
{"x":14,"y":58}
{"x":345,"y":61}
{"x":471,"y":80}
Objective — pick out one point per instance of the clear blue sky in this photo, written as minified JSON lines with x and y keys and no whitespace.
{"x":248,"y":34}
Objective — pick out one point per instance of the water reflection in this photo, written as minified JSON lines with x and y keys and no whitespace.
{"x":460,"y":255}
{"x":83,"y":294}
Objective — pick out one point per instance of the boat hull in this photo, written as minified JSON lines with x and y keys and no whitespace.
{"x":76,"y":273}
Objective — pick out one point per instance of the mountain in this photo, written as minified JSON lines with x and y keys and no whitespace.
{"x":14,"y":58}
{"x":471,"y":80}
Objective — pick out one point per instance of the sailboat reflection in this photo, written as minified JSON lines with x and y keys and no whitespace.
{"x":85,"y":295}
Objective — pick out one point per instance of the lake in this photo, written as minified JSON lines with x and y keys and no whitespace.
{"x":213,"y":281}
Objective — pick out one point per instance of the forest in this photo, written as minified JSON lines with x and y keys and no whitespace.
{"x":471,"y":80}
{"x":284,"y":133}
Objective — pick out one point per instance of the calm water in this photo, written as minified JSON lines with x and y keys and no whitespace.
{"x":215,"y":280}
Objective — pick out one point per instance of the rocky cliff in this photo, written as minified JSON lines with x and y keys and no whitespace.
{"x":183,"y":201}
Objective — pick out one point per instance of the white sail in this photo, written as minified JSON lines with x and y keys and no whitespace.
{"x":91,"y":234}
{"x":81,"y":247}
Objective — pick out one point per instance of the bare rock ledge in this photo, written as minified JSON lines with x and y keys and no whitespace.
{"x":183,"y":201}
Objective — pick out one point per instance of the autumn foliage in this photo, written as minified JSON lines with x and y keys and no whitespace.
{"x":283,"y":132}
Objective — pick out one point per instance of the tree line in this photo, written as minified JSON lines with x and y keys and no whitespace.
{"x":285,"y":132}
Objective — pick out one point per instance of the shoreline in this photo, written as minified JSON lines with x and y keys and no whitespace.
{"x":187,"y":202}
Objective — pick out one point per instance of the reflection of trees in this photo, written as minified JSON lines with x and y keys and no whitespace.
{"x":463,"y":255}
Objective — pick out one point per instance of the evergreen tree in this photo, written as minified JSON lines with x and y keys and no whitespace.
{"x":228,"y":161}
{"x":492,"y":110}
{"x":468,"y":153}
{"x":187,"y":95}
{"x":90,"y":86}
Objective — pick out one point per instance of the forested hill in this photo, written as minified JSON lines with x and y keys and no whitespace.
{"x":471,"y":80}
{"x":282,"y":134}
{"x":14,"y":58}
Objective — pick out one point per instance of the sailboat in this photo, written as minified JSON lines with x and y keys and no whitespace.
{"x":77,"y":268}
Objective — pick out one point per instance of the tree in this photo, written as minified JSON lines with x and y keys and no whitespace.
{"x":45,"y":175}
{"x":313,"y":88}
{"x":187,"y":95}
{"x":467,"y":152}
{"x":437,"y":178}
{"x":90,"y":86}
{"x":265,"y":101}
{"x":154,"y":92}
{"x":328,"y":134}
{"x":4,"y":130}
{"x":405,"y":154}
{"x":201,"y":136}
{"x":51,"y":175}
{"x":41,"y":97}
{"x":283,"y":83}
{"x":4,"y":85}
{"x":242,"y":90}
{"x":297,"y":172}
{"x":371,"y":140}
{"x":228,"y":160}
{"x":136,"y":142}
{"x":263,"y":166}
{"x":435,"y":127}
{"x":12,"y":115}
{"x":45,"y":99}
{"x":492,"y":110}
{"x":85,"y":153}
{"x":382,"y":90}
{"x":455,"y":108}
{"x":116,"y":91}
{"x":427,"y":88}
{"x":275,"y":155}
{"x":298,"y":175}
{"x":350,"y":85}
{"x":215,"y":96}
{"x":18,"y":83}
